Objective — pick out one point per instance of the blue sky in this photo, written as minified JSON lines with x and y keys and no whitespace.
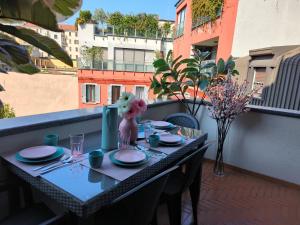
{"x":164,"y":8}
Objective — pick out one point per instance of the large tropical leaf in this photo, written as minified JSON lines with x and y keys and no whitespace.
{"x":44,"y":13}
{"x":11,"y":53}
{"x":42,"y":42}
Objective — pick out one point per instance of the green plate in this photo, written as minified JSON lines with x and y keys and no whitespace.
{"x":59,"y":153}
{"x":128,"y":165}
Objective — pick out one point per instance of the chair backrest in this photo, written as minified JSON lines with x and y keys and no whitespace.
{"x":137,"y":206}
{"x":193,"y":165}
{"x":184,"y":120}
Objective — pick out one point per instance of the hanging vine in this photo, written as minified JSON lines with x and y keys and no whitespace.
{"x":207,"y":9}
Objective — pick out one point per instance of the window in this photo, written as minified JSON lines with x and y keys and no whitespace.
{"x":70,"y":41}
{"x":76,"y":49}
{"x":180,"y":22}
{"x":76,"y":42}
{"x":55,"y":36}
{"x":76,"y":34}
{"x":115,"y":93}
{"x":70,"y":33}
{"x":90,"y":93}
{"x":140,"y":92}
{"x":70,"y":48}
{"x":259,"y":81}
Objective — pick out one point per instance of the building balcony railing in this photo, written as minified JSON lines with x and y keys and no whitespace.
{"x":114,"y":65}
{"x":134,"y":33}
{"x":205,"y":19}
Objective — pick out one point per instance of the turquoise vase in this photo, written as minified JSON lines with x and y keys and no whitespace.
{"x":109,"y":128}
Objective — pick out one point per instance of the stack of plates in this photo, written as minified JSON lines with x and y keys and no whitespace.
{"x":171,"y":140}
{"x":39,"y":154}
{"x":162,"y":125}
{"x":129,"y":158}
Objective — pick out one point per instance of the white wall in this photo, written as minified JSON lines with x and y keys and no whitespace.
{"x":259,"y":142}
{"x":266,"y":23}
{"x":87,"y":37}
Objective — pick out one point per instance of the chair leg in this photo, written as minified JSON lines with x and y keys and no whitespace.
{"x":154,"y":219}
{"x":174,"y":209}
{"x":195,"y":195}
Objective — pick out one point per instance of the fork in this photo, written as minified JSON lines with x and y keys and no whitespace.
{"x":65,"y":157}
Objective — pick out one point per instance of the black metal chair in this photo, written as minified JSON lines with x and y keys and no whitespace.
{"x":184,"y":120}
{"x":186,"y":177}
{"x":137,"y":206}
{"x":30,"y":215}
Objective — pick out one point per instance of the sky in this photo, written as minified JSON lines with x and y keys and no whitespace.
{"x":164,"y":8}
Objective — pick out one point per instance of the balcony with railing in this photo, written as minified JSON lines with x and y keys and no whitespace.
{"x":114,"y":65}
{"x":262,"y":150}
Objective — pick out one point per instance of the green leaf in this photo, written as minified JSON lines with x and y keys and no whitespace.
{"x":208,"y":66}
{"x":159,"y":63}
{"x":1,"y":88}
{"x":175,"y":87}
{"x":230,"y":64}
{"x":203,"y":84}
{"x":190,"y":70}
{"x":27,"y":68}
{"x":169,"y":56}
{"x":44,"y":13}
{"x":235,"y":72}
{"x":221,"y":66}
{"x":11,"y":52}
{"x":176,"y":60}
{"x":42,"y":42}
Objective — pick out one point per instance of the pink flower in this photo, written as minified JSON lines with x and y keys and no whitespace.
{"x":131,"y":113}
{"x":139,"y":105}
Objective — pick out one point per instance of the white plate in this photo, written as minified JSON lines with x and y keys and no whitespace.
{"x":170,"y":139}
{"x":160,"y":124}
{"x":130,"y":156}
{"x":38,"y":152}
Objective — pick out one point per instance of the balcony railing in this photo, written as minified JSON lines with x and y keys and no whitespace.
{"x":114,"y":65}
{"x":205,"y":19}
{"x":134,"y":33}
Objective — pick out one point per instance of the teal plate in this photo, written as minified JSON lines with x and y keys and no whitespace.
{"x":173,"y":145}
{"x":59,"y":153}
{"x":128,"y":165}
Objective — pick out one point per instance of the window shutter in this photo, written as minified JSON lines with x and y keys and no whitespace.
{"x":83,"y":93}
{"x":122,"y":89}
{"x":109,"y":95}
{"x":97,"y":93}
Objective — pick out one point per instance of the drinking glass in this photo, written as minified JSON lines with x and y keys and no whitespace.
{"x":148,"y":129}
{"x":76,"y":144}
{"x":124,"y":140}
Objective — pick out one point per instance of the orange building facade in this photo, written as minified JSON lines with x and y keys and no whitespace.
{"x":103,"y":87}
{"x":216,"y":37}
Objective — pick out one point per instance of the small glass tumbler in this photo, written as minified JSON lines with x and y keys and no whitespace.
{"x":76,"y":144}
{"x":148,"y":130}
{"x":124,"y":140}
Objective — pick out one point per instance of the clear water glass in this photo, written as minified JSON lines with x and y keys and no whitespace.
{"x":76,"y":144}
{"x":148,"y":129}
{"x":124,"y":140}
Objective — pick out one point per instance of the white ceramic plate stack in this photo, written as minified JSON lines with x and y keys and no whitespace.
{"x":162,"y":125}
{"x":171,"y":140}
{"x":130,"y":156}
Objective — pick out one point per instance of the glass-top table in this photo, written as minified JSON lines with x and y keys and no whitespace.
{"x":84,"y":191}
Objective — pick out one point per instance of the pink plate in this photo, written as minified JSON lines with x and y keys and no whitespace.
{"x":160,"y":124}
{"x":38,"y":152}
{"x":170,"y":138}
{"x":130,"y":156}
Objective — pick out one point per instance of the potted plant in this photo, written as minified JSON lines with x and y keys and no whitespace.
{"x":180,"y":78}
{"x":228,"y":99}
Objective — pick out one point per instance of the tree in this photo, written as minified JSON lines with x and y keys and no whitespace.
{"x":115,"y":19}
{"x":6,"y":111}
{"x":100,"y":16}
{"x":85,"y":16}
{"x":90,"y":54}
{"x":166,"y":29}
{"x":42,"y":13}
{"x":147,"y":23}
